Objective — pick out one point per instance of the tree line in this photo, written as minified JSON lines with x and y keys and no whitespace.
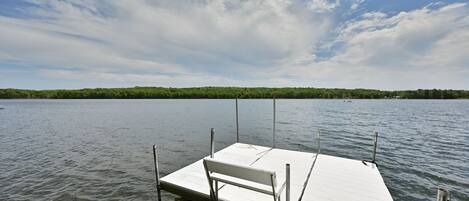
{"x":229,"y":93}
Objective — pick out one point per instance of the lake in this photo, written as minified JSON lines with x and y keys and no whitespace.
{"x":102,"y":149}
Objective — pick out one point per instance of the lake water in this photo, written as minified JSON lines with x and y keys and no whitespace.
{"x":102,"y":149}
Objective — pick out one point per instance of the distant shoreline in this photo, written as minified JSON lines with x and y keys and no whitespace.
{"x":231,"y":93}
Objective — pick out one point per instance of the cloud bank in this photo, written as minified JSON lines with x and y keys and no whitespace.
{"x":319,"y":43}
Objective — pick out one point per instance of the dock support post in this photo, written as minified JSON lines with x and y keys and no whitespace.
{"x":375,"y":146}
{"x":443,"y":195}
{"x":273,"y":126}
{"x":319,"y":142}
{"x":287,"y":187}
{"x":237,"y":123}
{"x":157,"y":174}
{"x":212,"y":142}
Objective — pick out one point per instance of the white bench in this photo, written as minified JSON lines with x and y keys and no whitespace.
{"x":262,"y":181}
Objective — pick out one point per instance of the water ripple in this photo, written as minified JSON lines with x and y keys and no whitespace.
{"x":101,"y":149}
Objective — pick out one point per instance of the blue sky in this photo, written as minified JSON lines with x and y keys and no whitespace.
{"x":381,"y":44}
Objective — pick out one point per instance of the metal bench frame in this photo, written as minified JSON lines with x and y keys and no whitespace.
{"x":218,"y":171}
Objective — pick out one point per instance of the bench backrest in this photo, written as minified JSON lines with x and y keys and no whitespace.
{"x":242,"y":172}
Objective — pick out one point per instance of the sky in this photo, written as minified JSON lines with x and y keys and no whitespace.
{"x":378,"y":44}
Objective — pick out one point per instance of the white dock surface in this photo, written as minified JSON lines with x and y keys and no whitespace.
{"x":332,"y":179}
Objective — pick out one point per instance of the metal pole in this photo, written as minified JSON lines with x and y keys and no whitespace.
{"x":287,"y":190}
{"x":319,"y":141}
{"x":237,"y":123}
{"x":210,"y":181}
{"x":273,"y":129}
{"x":216,"y":190}
{"x":375,"y":146}
{"x":212,"y":142}
{"x":157,"y":174}
{"x":443,"y":195}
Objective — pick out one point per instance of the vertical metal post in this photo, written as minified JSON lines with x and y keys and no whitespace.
{"x":212,"y":142}
{"x":157,"y":174}
{"x":319,"y":141}
{"x":216,"y":190}
{"x":287,"y":187}
{"x":443,"y":195}
{"x":237,"y":123}
{"x":273,"y":129}
{"x":375,"y":146}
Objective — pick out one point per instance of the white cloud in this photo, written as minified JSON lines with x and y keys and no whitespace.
{"x":245,"y":43}
{"x":322,"y":6}
{"x":356,"y":4}
{"x":374,"y":15}
{"x":226,"y":38}
{"x":424,"y":48}
{"x":407,"y":38}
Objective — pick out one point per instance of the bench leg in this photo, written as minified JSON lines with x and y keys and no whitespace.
{"x":216,"y":190}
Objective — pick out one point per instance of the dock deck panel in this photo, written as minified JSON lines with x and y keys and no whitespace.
{"x":337,"y":179}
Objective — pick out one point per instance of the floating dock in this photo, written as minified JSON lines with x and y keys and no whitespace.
{"x":249,"y":172}
{"x":331,"y":179}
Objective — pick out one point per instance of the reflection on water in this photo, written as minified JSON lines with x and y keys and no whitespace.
{"x":101,"y":149}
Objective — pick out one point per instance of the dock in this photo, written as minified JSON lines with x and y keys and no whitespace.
{"x":332,"y":178}
{"x":247,"y":172}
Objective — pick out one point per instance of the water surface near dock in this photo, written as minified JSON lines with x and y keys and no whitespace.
{"x":101,"y":149}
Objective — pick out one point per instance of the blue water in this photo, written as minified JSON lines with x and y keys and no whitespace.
{"x":101,"y":149}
